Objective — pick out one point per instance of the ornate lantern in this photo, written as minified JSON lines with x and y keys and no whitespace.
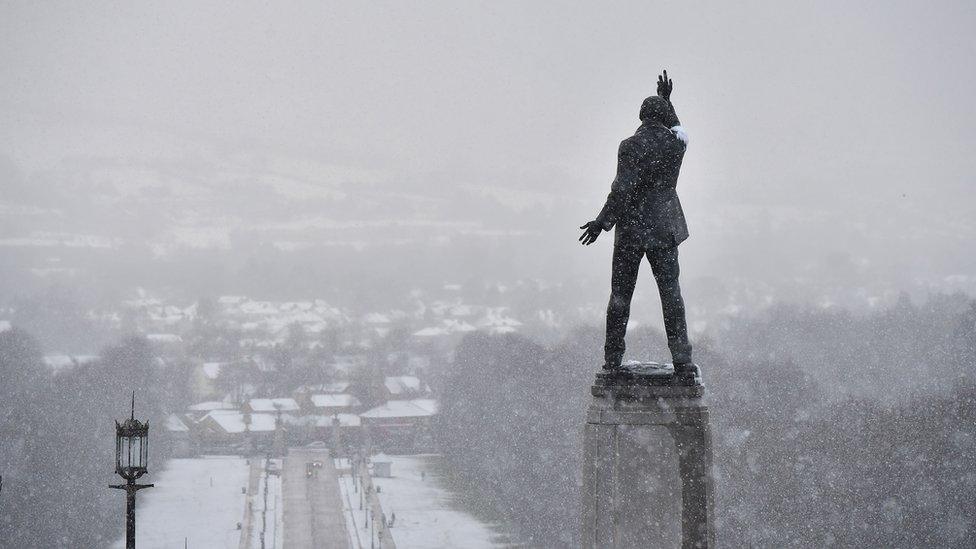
{"x":131,"y":446}
{"x":131,"y":460}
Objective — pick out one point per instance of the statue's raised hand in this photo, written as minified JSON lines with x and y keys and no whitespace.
{"x":664,"y":86}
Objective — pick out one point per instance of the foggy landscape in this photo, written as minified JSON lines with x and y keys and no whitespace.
{"x":332,"y":248}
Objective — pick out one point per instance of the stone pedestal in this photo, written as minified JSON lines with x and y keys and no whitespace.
{"x":647,"y":463}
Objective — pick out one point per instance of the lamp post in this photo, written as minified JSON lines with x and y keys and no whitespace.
{"x":131,"y":458}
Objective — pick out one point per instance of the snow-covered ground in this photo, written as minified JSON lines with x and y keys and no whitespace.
{"x":199,"y":500}
{"x":426,"y":516}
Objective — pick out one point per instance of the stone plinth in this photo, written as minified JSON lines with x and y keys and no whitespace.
{"x":647,"y":462}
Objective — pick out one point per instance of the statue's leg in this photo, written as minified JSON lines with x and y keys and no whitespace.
{"x":626,"y":263}
{"x":664,"y":264}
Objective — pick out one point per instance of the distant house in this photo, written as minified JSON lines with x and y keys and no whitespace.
{"x":329,"y":404}
{"x":200,"y":409}
{"x":497,"y":321}
{"x":224,"y":428}
{"x":432,"y":332}
{"x":322,"y":388}
{"x":271,"y":405}
{"x":400,"y":425}
{"x":173,"y":339}
{"x":401,"y":387}
{"x":415,"y":408}
{"x":378,"y":322}
{"x":234,"y":422}
{"x":63,"y":362}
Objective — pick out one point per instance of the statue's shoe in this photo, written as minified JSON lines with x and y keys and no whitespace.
{"x":687,"y":373}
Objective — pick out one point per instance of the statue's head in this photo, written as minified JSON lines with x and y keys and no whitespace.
{"x":657,"y":109}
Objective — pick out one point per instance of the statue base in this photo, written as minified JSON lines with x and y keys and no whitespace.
{"x":633,"y":376}
{"x":647,"y":464}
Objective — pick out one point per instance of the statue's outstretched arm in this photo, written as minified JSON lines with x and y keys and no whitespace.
{"x":622,"y":187}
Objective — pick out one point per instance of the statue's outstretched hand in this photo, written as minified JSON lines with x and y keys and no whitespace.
{"x":591,"y":230}
{"x":664,"y":86}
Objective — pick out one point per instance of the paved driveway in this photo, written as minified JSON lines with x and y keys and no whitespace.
{"x":313,"y":511}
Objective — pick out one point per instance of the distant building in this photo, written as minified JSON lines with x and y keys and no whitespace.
{"x":400,"y":425}
{"x":222,"y":429}
{"x":64,"y":362}
{"x":403,"y":387}
{"x":200,"y":409}
{"x":271,"y":405}
{"x":329,"y":404}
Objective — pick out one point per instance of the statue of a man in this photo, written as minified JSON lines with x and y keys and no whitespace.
{"x":644,"y":207}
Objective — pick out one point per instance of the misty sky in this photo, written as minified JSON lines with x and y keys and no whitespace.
{"x":864,"y":111}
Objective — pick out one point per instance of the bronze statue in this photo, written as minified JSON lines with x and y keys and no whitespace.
{"x":644,"y":207}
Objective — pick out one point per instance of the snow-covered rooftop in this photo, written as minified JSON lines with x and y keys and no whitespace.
{"x":175,"y":425}
{"x":334,"y":401}
{"x":497,"y":321}
{"x":398,"y":385}
{"x":164,"y":338}
{"x":210,"y":405}
{"x":58,"y":362}
{"x":419,"y":407}
{"x":232,"y":421}
{"x":376,"y":318}
{"x":432,"y":331}
{"x":273,"y":404}
{"x":447,"y":327}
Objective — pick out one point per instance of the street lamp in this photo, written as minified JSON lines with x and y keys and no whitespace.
{"x":131,"y":458}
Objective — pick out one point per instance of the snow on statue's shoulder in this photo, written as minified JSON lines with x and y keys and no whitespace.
{"x":680,"y":133}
